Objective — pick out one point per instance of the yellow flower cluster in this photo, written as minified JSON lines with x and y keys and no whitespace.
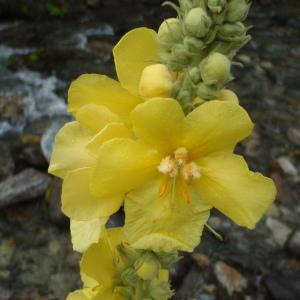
{"x":132,"y":146}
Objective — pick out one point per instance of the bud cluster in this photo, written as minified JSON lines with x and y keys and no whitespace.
{"x":143,"y":274}
{"x":200,"y":43}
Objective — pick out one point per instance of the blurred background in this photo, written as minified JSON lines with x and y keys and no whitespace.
{"x":46,"y":44}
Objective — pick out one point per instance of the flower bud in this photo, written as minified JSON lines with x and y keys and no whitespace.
{"x":232,"y":32}
{"x":129,"y":277}
{"x":147,"y":267}
{"x":193,"y":44}
{"x":170,"y":31}
{"x":207,"y":91}
{"x":237,"y":10}
{"x":195,"y":75}
{"x":156,"y":81}
{"x":215,"y":69}
{"x":197,"y":23}
{"x":216,"y":6}
{"x":228,"y":95}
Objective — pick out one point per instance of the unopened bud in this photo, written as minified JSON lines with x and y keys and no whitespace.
{"x":228,"y":95}
{"x":216,"y":6}
{"x":129,"y":277}
{"x":207,"y":91}
{"x":156,"y":81}
{"x":147,"y":267}
{"x":193,"y":44}
{"x":215,"y":69}
{"x":232,"y":32}
{"x":237,"y":10}
{"x":170,"y":31}
{"x":197,"y":22}
{"x":195,"y":75}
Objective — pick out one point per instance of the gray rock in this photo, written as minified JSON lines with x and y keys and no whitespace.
{"x":286,"y":166}
{"x":230,"y":278}
{"x":54,"y":200}
{"x":27,"y":185}
{"x":7,"y":164}
{"x":5,"y":293}
{"x":294,"y":243}
{"x":280,"y":231}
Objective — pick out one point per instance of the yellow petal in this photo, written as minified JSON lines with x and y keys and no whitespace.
{"x":228,"y":185}
{"x":69,"y":152}
{"x":216,"y":126}
{"x":95,"y":117}
{"x":86,"y":233}
{"x":159,"y":123}
{"x":79,"y":204}
{"x":110,"y":131}
{"x":122,"y":165}
{"x":136,"y":50}
{"x":97,"y":262}
{"x":77,"y":295}
{"x":228,"y":95}
{"x":163,"y":223}
{"x":101,"y":90}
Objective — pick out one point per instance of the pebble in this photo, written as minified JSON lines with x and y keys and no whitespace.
{"x":7,"y":248}
{"x":280,"y":231}
{"x":253,"y":146}
{"x":294,"y":243}
{"x":7,"y":164}
{"x":286,"y":166}
{"x":202,"y":261}
{"x":25,"y":186}
{"x":54,"y":202}
{"x":294,"y":135}
{"x":5,"y":294}
{"x":230,"y":278}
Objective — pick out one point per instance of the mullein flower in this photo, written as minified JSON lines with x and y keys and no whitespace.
{"x":177,"y":169}
{"x":101,"y":107}
{"x":112,"y":270}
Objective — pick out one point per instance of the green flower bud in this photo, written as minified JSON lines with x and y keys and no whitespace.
{"x":187,"y":5}
{"x":207,"y":91}
{"x":193,"y":44}
{"x":216,"y":6}
{"x":170,"y":31}
{"x":215,"y":69}
{"x":129,"y":277}
{"x":161,"y":291}
{"x":232,"y":32}
{"x":195,"y":75}
{"x":237,"y":10}
{"x":125,"y":292}
{"x":180,"y":54}
{"x":197,"y":22}
{"x":147,"y":266}
{"x":127,"y":253}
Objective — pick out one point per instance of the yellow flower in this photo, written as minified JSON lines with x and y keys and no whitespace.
{"x":101,"y":107}
{"x":177,"y":169}
{"x":110,"y":270}
{"x":97,"y":101}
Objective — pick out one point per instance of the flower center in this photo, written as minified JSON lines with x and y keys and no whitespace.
{"x":178,"y":166}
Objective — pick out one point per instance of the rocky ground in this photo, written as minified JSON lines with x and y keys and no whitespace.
{"x":42,"y":48}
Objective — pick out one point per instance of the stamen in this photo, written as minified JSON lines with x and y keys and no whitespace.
{"x":190,"y":170}
{"x":185,"y":191}
{"x":164,"y":186}
{"x":168,"y":166}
